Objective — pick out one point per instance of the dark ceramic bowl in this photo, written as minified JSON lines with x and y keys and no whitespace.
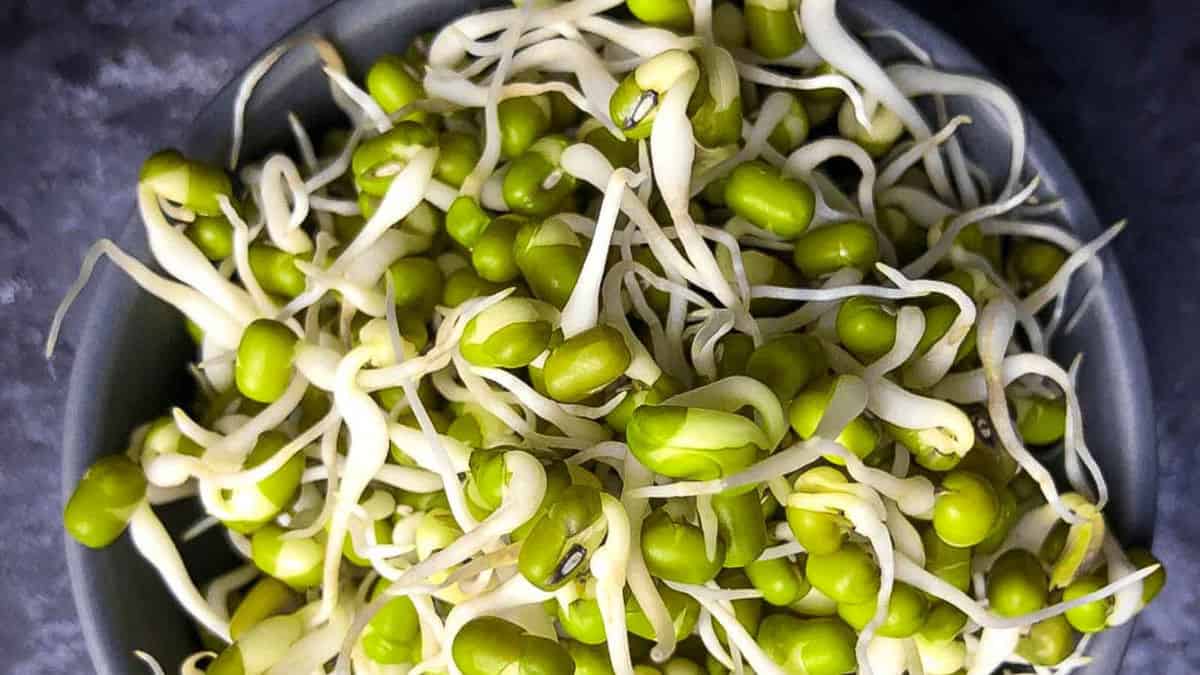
{"x":130,"y":361}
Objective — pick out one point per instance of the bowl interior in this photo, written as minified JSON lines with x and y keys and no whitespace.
{"x":130,"y":360}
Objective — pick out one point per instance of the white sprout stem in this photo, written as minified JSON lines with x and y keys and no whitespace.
{"x":583,"y":308}
{"x":1128,"y":600}
{"x":833,"y":43}
{"x":1058,"y":283}
{"x":708,"y":636}
{"x":969,"y":194}
{"x":704,"y":343}
{"x":848,"y":401}
{"x":904,"y":533}
{"x":317,"y":647}
{"x":913,"y":574}
{"x":241,"y":258}
{"x":895,"y":169}
{"x":594,"y":412}
{"x":915,"y":80}
{"x":996,"y":324}
{"x":867,"y":521}
{"x":220,"y":590}
{"x":1027,"y":534}
{"x":491,"y":195}
{"x":996,"y":645}
{"x":153,"y":664}
{"x":772,"y":112}
{"x":504,"y":557}
{"x":835,"y":293}
{"x":323,"y":206}
{"x":217,"y":324}
{"x":338,"y":167}
{"x":391,"y":246}
{"x":668,"y":345}
{"x":284,"y":221}
{"x":926,"y":370}
{"x":490,"y":50}
{"x":917,"y":203}
{"x":544,"y":407}
{"x":808,"y":157}
{"x":308,"y":153}
{"x":1044,"y":231}
{"x":886,"y":656}
{"x":445,"y":344}
{"x":441,"y":458}
{"x":643,"y":366}
{"x":927,"y":260}
{"x":785,"y":550}
{"x":783,"y":462}
{"x":910,"y":327}
{"x":317,"y":364}
{"x":641,"y":583}
{"x":235,"y":446}
{"x":969,"y":261}
{"x":151,"y":540}
{"x":972,"y":387}
{"x":673,"y":148}
{"x":673,"y":287}
{"x":366,"y":455}
{"x":262,"y":471}
{"x":491,"y":149}
{"x":368,"y":109}
{"x":737,"y":634}
{"x":449,"y":47}
{"x":182,"y":260}
{"x":1064,"y":240}
{"x":914,"y":495}
{"x":759,"y":75}
{"x":900,"y":407}
{"x":454,"y":453}
{"x":589,"y":165}
{"x":904,"y":41}
{"x":403,"y":195}
{"x":746,"y":232}
{"x":487,"y":398}
{"x":524,"y":492}
{"x":240,"y":544}
{"x":250,"y":80}
{"x":317,"y":199}
{"x":815,"y":309}
{"x":708,"y":525}
{"x":405,"y":478}
{"x":573,"y":57}
{"x":645,"y":41}
{"x":433,"y":629}
{"x":515,"y":592}
{"x":730,"y":242}
{"x":608,"y":566}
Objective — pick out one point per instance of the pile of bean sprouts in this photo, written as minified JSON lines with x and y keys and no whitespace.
{"x":457,"y":563}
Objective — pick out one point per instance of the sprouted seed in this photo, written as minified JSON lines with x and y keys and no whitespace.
{"x":574,"y":338}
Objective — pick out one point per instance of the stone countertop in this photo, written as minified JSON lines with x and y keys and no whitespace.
{"x":94,"y":85}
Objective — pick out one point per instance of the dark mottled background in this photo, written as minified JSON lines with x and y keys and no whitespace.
{"x":88,"y":88}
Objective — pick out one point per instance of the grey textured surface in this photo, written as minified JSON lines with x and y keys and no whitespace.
{"x":93,"y":86}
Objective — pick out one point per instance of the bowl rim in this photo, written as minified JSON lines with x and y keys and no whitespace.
{"x":1133,"y":373}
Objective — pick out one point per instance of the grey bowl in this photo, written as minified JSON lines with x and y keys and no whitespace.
{"x":130,"y":361}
